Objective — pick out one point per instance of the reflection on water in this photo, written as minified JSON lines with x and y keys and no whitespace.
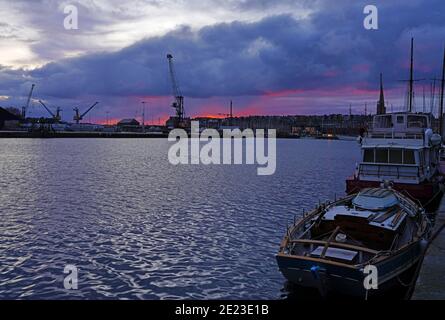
{"x":138,"y":227}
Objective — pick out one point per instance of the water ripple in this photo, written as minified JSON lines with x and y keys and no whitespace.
{"x":137,"y":227}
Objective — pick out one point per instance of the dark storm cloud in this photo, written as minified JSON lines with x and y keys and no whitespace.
{"x":330,"y":49}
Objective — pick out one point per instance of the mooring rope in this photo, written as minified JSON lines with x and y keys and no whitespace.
{"x":434,"y":197}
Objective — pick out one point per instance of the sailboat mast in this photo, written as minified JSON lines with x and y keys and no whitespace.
{"x":411,"y":80}
{"x":433,"y":92}
{"x":441,"y":94}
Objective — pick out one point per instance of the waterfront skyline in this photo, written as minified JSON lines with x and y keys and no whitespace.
{"x":290,"y":57}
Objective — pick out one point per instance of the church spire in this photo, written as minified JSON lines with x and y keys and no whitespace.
{"x":381,"y":104}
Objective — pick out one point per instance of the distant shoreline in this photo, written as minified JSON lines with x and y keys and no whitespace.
{"x":120,"y":135}
{"x":86,"y":134}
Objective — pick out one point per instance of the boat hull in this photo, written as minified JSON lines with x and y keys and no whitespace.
{"x":337,"y":278}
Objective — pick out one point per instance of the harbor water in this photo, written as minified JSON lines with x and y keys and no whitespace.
{"x":137,"y":227}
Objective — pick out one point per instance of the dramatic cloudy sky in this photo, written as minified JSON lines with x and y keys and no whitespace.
{"x":268,"y":56}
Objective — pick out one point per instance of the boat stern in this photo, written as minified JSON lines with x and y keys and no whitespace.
{"x":323,"y":276}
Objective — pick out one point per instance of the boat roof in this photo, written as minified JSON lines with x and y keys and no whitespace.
{"x":375,"y":199}
{"x":382,"y":219}
{"x":379,"y":207}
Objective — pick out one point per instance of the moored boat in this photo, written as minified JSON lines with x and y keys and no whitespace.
{"x":329,"y":248}
{"x":401,"y":148}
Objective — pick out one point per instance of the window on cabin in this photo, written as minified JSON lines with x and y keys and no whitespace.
{"x":395,"y":156}
{"x":417,"y":121}
{"x":368,"y":155}
{"x":383,"y":121}
{"x":408,"y":157}
{"x":400,"y":119}
{"x":381,"y":155}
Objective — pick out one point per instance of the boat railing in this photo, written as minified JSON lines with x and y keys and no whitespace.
{"x":410,"y":206}
{"x":395,"y":135}
{"x":391,"y":169}
{"x":319,"y":212}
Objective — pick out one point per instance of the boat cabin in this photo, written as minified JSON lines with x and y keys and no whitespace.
{"x":401,"y":148}
{"x":400,"y":125}
{"x":411,"y":165}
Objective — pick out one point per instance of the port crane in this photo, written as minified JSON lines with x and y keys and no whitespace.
{"x":178,"y":104}
{"x":78,"y":117}
{"x":25,"y":108}
{"x":57,"y":117}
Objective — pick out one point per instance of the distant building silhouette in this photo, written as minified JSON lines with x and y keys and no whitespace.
{"x":128,"y":122}
{"x":129,"y":125}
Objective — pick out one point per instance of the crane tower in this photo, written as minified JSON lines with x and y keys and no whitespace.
{"x":178,"y":103}
{"x":78,"y":117}
{"x":25,"y":108}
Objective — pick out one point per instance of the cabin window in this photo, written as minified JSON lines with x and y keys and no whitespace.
{"x":381,"y":155}
{"x":368,"y":155}
{"x":408,"y":157}
{"x":395,"y":156}
{"x":400,"y":119}
{"x":417,"y":121}
{"x":383,"y":121}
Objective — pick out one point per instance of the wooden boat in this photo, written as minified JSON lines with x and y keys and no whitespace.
{"x":329,"y":248}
